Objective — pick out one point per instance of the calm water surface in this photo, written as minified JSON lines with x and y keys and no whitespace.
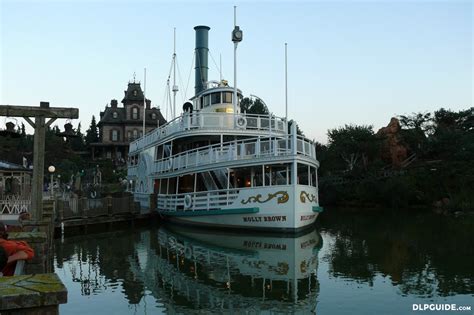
{"x":351,"y":263}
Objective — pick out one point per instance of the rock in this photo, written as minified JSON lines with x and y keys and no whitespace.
{"x":393,"y":150}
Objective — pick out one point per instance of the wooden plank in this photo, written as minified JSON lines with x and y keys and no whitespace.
{"x":35,"y":111}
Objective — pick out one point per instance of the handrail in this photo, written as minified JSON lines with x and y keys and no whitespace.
{"x":233,"y":150}
{"x":196,"y":121}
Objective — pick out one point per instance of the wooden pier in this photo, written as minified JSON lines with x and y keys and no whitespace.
{"x":102,"y":213}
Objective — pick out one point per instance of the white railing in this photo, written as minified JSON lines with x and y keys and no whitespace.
{"x":14,"y":204}
{"x":200,"y":120}
{"x":231,"y":151}
{"x":206,"y":200}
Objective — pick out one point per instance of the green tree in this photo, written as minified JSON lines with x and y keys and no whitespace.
{"x":77,"y":142}
{"x":256,"y":106}
{"x":354,"y":145}
{"x":92,"y":134}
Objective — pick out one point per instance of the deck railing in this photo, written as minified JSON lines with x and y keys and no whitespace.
{"x":231,"y":151}
{"x":200,"y":120}
{"x":206,"y":200}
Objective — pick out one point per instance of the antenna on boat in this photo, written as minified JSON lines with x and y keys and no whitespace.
{"x":286,"y":83}
{"x":220,"y":67}
{"x":144,"y":101}
{"x":175,"y":87}
{"x":236,"y":38}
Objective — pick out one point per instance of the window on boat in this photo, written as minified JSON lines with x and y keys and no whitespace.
{"x":200,"y":185}
{"x":172,"y":186}
{"x":167,"y":150}
{"x":303,"y":174}
{"x":257,"y":176}
{"x":227,"y":97}
{"x":242,"y":177}
{"x":314,"y":176}
{"x":159,"y":152}
{"x":186,"y":184}
{"x":216,"y":98}
{"x":205,"y":100}
{"x":163,"y":186}
{"x":278,"y":174}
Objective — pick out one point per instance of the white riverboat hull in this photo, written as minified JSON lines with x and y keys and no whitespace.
{"x":283,"y":208}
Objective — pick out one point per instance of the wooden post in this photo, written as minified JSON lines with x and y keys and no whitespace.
{"x":38,"y":169}
{"x":39,"y":125}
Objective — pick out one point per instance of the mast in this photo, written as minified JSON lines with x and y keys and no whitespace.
{"x":286,"y":83}
{"x":236,"y":38}
{"x":144,"y":102}
{"x":175,"y":87}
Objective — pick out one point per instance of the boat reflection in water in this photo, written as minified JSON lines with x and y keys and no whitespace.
{"x":182,"y":270}
{"x":233,"y":271}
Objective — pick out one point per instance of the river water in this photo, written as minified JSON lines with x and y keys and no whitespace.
{"x":350,"y":263}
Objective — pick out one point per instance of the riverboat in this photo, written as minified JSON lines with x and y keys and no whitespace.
{"x":215,"y":165}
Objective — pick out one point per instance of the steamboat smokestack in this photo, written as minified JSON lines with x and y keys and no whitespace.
{"x":202,"y":50}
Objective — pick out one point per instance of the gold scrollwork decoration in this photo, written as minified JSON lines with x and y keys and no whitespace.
{"x":282,"y":197}
{"x":311,"y":198}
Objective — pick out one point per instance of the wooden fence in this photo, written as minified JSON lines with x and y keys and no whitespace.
{"x":84,"y":208}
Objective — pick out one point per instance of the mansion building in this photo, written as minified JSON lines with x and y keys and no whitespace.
{"x":118,"y":126}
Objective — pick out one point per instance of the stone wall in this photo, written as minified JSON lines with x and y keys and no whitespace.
{"x":32,"y":294}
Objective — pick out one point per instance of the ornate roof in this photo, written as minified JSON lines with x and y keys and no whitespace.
{"x":107,"y":117}
{"x":133,"y":94}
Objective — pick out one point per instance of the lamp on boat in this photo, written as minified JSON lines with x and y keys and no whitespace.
{"x":188,"y":107}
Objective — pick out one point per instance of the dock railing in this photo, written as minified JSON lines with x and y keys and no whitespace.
{"x":87,"y":208}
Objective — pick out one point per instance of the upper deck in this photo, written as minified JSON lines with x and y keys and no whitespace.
{"x":189,"y":123}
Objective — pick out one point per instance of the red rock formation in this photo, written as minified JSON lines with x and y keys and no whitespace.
{"x":393,"y":150}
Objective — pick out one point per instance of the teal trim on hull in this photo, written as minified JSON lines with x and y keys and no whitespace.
{"x":210,"y":212}
{"x":318,"y":209}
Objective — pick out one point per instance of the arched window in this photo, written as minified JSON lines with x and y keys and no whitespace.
{"x":115,"y":115}
{"x":114,"y":135}
{"x":153,"y":116}
{"x":135,"y":133}
{"x":135,"y":113}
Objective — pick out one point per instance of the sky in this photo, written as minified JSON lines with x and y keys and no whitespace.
{"x":349,"y":62}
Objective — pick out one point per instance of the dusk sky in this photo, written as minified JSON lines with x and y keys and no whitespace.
{"x":348,"y":61}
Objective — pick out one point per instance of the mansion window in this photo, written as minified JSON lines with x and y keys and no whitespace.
{"x":135,"y":133}
{"x":114,"y":135}
{"x":153,"y":116}
{"x":135,"y":113}
{"x":129,"y":135}
{"x":115,"y":115}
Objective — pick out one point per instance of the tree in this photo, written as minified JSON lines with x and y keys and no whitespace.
{"x":77,"y":143}
{"x":256,"y":107}
{"x":353,"y":143}
{"x":417,"y":121}
{"x":92,"y":134}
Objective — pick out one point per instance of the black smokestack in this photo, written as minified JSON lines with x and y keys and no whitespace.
{"x":202,"y":50}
